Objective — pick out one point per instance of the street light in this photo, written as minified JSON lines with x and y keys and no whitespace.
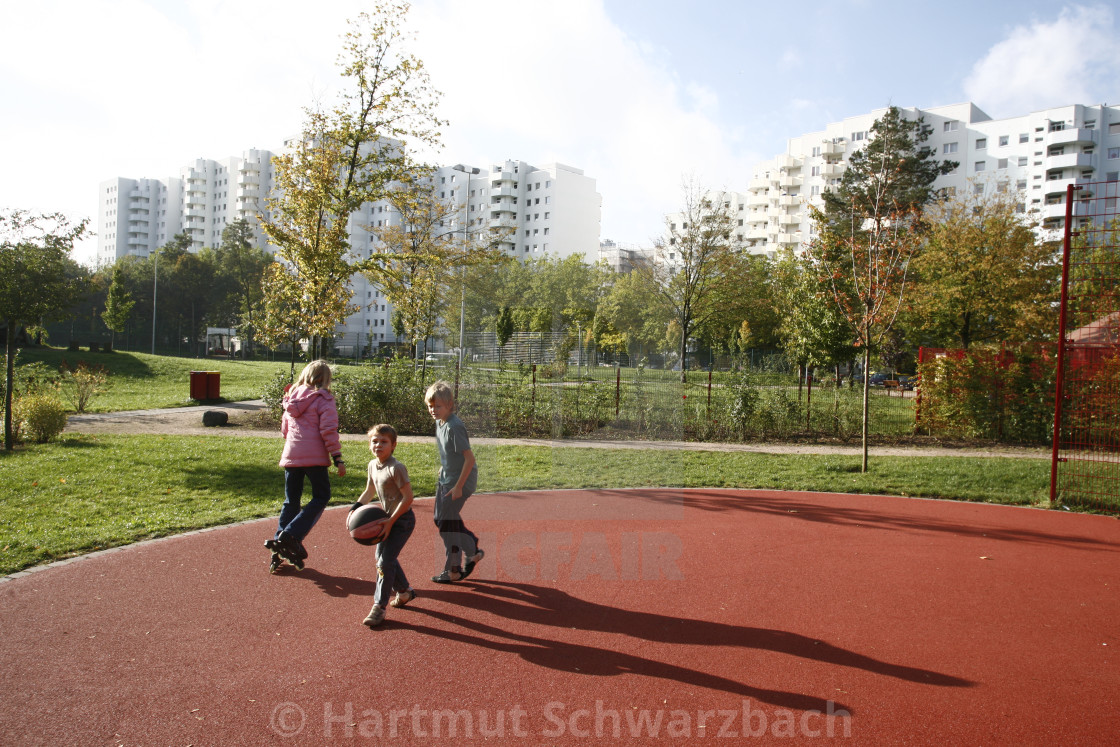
{"x":466,"y":234}
{"x":155,"y":287}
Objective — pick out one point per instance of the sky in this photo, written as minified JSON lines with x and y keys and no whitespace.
{"x":643,"y":95}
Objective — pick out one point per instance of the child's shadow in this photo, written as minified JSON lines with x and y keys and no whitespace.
{"x":335,"y":586}
{"x":540,"y":605}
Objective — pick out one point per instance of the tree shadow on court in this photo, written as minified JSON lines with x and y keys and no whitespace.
{"x":544,"y":606}
{"x":791,"y":506}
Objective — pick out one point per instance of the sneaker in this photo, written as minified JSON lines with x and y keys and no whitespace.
{"x":472,"y":561}
{"x":449,"y":576}
{"x":375,"y":617}
{"x":402,"y":598}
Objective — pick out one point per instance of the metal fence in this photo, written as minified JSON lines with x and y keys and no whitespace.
{"x":1085,"y":464}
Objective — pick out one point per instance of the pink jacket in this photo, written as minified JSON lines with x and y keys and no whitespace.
{"x":309,"y":427}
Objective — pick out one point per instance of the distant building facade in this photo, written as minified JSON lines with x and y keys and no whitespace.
{"x":1037,"y":155}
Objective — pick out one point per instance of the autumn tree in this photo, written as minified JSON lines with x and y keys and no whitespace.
{"x":37,"y":279}
{"x":628,"y":316}
{"x":871,"y":228}
{"x":812,"y":329}
{"x":343,"y":159}
{"x":691,"y":270}
{"x":984,"y":275}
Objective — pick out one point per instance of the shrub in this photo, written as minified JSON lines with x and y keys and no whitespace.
{"x":41,"y":415}
{"x":80,"y":385}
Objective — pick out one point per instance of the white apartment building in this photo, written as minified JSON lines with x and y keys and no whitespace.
{"x":551,"y":210}
{"x":1037,"y":154}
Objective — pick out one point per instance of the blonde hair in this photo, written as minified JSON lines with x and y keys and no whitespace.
{"x":441,"y":391}
{"x":316,"y":374}
{"x":383,"y":429}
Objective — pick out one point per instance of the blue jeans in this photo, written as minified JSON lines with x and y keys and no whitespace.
{"x":390,"y":574}
{"x":294,"y":519}
{"x":457,"y":539}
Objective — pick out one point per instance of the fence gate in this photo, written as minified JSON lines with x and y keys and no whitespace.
{"x":1085,"y":464}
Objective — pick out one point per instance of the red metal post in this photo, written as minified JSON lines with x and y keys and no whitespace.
{"x":1059,"y":379}
{"x":617,"y":389}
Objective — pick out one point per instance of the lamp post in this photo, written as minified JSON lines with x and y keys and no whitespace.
{"x":155,"y":287}
{"x":462,"y":272}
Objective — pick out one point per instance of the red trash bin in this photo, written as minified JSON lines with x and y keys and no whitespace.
{"x":198,"y":385}
{"x":213,"y":384}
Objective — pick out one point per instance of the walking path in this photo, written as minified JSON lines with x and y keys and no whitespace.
{"x":188,"y":420}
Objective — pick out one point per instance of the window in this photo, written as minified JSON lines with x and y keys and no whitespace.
{"x":1024,"y":137}
{"x":1112,"y":176}
{"x":1114,"y":128}
{"x":1003,"y":139}
{"x":949,"y":148}
{"x":816,"y":171}
{"x":861,"y":135}
{"x":1057,"y":126}
{"x":951,"y":126}
{"x":981,"y":143}
{"x":1022,"y":160}
{"x":1114,"y":153}
{"x":1001,"y":163}
{"x":816,"y":151}
{"x":979,"y":166}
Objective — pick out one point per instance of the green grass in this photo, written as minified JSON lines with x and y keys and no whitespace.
{"x":140,"y":381}
{"x":84,"y":493}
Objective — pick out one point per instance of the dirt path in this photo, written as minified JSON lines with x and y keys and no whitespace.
{"x":245,"y":420}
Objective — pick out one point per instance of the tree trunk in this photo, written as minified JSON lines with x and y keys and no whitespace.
{"x":9,"y":376}
{"x":684,"y":352}
{"x":866,"y":401}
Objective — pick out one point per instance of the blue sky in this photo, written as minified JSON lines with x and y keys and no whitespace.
{"x":641,"y":94}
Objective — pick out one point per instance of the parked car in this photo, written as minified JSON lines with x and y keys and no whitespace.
{"x":907,"y":382}
{"x":877,"y":379}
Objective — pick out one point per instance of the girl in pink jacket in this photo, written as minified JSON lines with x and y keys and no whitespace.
{"x":310,"y":430}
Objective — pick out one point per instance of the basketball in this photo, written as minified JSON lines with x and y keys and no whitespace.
{"x":365,"y":523}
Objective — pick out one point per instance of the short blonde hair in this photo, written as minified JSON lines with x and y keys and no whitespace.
{"x":316,"y":374}
{"x":441,"y":392}
{"x":383,"y":429}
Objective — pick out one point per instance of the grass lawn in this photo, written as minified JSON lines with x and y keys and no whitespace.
{"x":140,"y":381}
{"x":84,"y":493}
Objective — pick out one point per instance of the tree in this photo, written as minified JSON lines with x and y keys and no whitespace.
{"x":812,"y":329}
{"x":118,"y":305}
{"x":691,"y":269}
{"x":983,"y":275}
{"x":503,"y":329}
{"x":345,"y":158}
{"x":871,"y":227}
{"x":241,"y":270}
{"x":36,"y":279}
{"x":629,"y":311}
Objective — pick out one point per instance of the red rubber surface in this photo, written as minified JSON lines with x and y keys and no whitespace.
{"x":685,"y":614}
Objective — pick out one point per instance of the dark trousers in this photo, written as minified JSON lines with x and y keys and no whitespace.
{"x":295,"y":519}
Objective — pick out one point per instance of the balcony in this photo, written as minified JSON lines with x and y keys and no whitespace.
{"x":788,"y":201}
{"x":833,"y":169}
{"x":833,"y":150}
{"x":756,"y":234}
{"x":758,"y":183}
{"x":1072,"y":136}
{"x":194,"y":212}
{"x":789,"y":219}
{"x":505,"y":190}
{"x":788,"y":238}
{"x":1069,"y":160}
{"x":789,"y":182}
{"x":1059,"y":186}
{"x":758,"y":199}
{"x":247,"y":178}
{"x":250,"y":167}
{"x":247,"y":191}
{"x":137,"y":240}
{"x":788,"y":162}
{"x":502,"y":224}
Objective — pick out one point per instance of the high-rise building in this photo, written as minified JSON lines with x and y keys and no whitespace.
{"x":551,"y":210}
{"x":1036,"y":155}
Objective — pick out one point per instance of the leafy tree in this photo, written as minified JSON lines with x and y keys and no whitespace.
{"x":241,"y":267}
{"x":812,"y":329}
{"x":870,"y":229}
{"x":628,"y":315}
{"x":692,"y":268}
{"x":118,"y":305}
{"x":503,"y":329}
{"x":348,"y":157}
{"x":35,"y":254}
{"x":983,"y":275}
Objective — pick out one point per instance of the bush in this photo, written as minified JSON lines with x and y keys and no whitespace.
{"x":41,"y":415}
{"x":82,"y":384}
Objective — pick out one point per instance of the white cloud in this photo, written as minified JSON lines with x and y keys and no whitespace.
{"x":1073,"y":59}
